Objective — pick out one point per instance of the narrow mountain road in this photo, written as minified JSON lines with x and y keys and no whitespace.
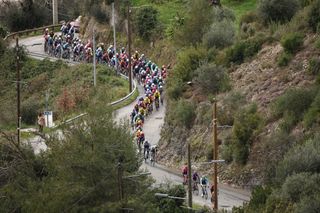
{"x":228,"y":196}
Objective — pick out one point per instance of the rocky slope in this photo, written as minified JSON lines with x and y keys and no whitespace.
{"x":260,"y":81}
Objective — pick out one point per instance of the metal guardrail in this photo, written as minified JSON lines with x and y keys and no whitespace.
{"x":39,"y":55}
{"x":14,"y":34}
{"x":110,"y":104}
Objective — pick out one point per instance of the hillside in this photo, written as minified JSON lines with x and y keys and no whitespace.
{"x":264,"y":73}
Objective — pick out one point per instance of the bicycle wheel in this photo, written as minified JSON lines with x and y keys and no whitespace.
{"x":205,"y":194}
{"x":195,"y":189}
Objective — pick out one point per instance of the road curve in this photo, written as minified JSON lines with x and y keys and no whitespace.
{"x":228,"y":196}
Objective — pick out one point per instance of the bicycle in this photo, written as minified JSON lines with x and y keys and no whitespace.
{"x":195,"y":188}
{"x":152,"y":159}
{"x":146,"y":155}
{"x":204,"y":191}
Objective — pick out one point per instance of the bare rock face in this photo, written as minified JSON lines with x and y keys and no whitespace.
{"x":261,"y":80}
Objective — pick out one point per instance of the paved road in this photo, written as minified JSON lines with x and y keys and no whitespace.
{"x":228,"y":197}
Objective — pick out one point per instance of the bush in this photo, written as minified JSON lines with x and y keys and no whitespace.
{"x":295,"y":102}
{"x":100,"y":14}
{"x":197,"y":21}
{"x":244,"y":49}
{"x":29,"y":111}
{"x":146,"y":22}
{"x":26,"y":15}
{"x":183,"y":113}
{"x":314,"y":15}
{"x":246,"y":122}
{"x":188,"y":61}
{"x":174,"y":88}
{"x":248,"y":17}
{"x":301,"y":158}
{"x":220,"y":35}
{"x":212,"y":78}
{"x":313,"y":114}
{"x":259,"y":197}
{"x":284,"y":59}
{"x":277,"y":10}
{"x":314,"y":66}
{"x":292,"y":42}
{"x":231,"y":103}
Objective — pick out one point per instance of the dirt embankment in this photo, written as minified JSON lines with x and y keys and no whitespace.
{"x":261,"y":81}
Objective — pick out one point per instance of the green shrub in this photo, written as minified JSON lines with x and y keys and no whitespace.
{"x":25,"y":15}
{"x":212,"y":78}
{"x":314,"y":15}
{"x":314,"y":66}
{"x":284,"y":59}
{"x":294,"y":101}
{"x":313,"y":114}
{"x":196,"y":23}
{"x":227,"y":150}
{"x":174,"y":88}
{"x":220,"y":35}
{"x":235,"y":54}
{"x":244,"y":49}
{"x":188,"y":61}
{"x":231,"y":103}
{"x":259,"y":197}
{"x":317,"y":43}
{"x":248,"y":17}
{"x":305,"y":3}
{"x":292,"y":42}
{"x":99,"y":13}
{"x":246,"y":122}
{"x":183,"y":113}
{"x":301,"y":158}
{"x":29,"y":111}
{"x":146,"y":22}
{"x":277,"y":10}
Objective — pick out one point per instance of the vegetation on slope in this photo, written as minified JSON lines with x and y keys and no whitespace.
{"x":70,"y":89}
{"x":275,"y":41}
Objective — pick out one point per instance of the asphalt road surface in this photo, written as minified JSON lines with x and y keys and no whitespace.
{"x":228,"y":196}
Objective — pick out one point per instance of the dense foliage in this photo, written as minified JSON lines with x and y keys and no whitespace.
{"x":277,"y":10}
{"x":79,"y":173}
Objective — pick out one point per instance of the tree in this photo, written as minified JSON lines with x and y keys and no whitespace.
{"x":78,"y":173}
{"x":196,"y":23}
{"x":146,"y":22}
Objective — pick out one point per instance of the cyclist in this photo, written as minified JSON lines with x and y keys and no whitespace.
{"x":146,"y":149}
{"x":153,"y":154}
{"x":204,"y":182}
{"x":196,"y":180}
{"x":185,"y":174}
{"x":157,"y":98}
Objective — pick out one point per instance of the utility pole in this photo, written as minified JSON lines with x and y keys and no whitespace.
{"x":47,"y":103}
{"x":18,"y":91}
{"x":215,"y":157}
{"x":55,"y":11}
{"x":129,"y":45}
{"x":189,"y":179}
{"x":114,"y":37}
{"x":94,"y":57}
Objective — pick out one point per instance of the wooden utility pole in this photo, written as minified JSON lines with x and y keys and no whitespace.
{"x":55,"y":11}
{"x":94,"y":57}
{"x":189,"y":178}
{"x":18,"y":91}
{"x":114,"y":36}
{"x":215,"y":158}
{"x":129,"y":46}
